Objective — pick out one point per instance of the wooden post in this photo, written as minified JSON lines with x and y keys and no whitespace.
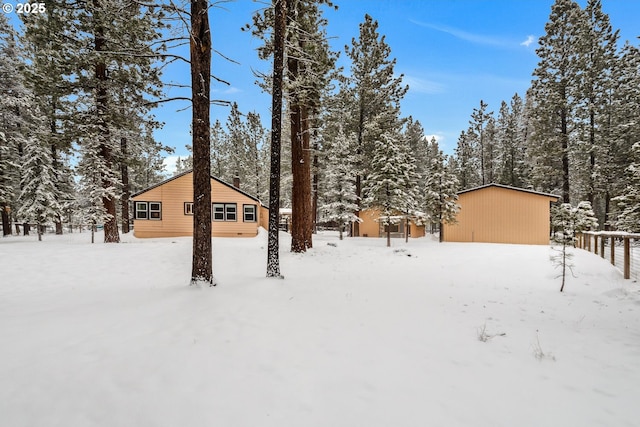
{"x":627,"y":258}
{"x":588,"y":237}
{"x":595,"y":244}
{"x":602,"y":239}
{"x":613,"y":250}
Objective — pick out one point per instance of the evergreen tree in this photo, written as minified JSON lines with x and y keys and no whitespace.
{"x":598,"y":57}
{"x":309,"y":62}
{"x":257,"y":157}
{"x":554,"y":90}
{"x":279,"y":37}
{"x":391,"y":183}
{"x":440,"y":189}
{"x":14,"y":102}
{"x":567,"y":222}
{"x":477,"y":133}
{"x":91,"y":169}
{"x":340,"y":202}
{"x":237,"y":146}
{"x":628,"y":203}
{"x":374,"y":93}
{"x":511,"y":144}
{"x":466,"y":162}
{"x":419,"y":146}
{"x":39,"y":196}
{"x":49,"y":62}
{"x":620,"y":169}
{"x":200,"y":35}
{"x":219,"y":156}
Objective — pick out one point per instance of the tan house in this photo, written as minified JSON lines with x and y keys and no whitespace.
{"x":500,"y":214}
{"x":166,"y":209}
{"x":371,"y":225}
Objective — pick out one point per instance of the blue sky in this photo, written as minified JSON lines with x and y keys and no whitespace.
{"x":453,"y":53}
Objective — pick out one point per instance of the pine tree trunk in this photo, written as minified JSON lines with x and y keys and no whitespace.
{"x":388,"y":233}
{"x":406,"y":230}
{"x":202,"y":262}
{"x":314,"y":190}
{"x":564,"y":264}
{"x":111,"y":234}
{"x":6,"y":223}
{"x":298,"y":211}
{"x":564,"y":136}
{"x":359,"y":150}
{"x":356,"y":224}
{"x":126,"y":189}
{"x":54,"y":156}
{"x":306,"y":184}
{"x":273,"y":244}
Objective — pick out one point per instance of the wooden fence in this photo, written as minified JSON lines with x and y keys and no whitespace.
{"x":622,"y":249}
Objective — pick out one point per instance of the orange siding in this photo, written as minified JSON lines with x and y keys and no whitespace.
{"x":174,"y":193}
{"x":418,"y":230}
{"x":501,"y":215}
{"x":264,"y":217}
{"x":370,"y":227}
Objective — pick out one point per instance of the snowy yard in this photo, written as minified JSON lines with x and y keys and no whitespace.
{"x":356,"y":335}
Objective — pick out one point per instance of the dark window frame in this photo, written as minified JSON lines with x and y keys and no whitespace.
{"x":137,"y":210}
{"x":225,"y":213}
{"x":188,"y":208}
{"x":254,"y":208}
{"x":141,"y":207}
{"x":155,"y":211}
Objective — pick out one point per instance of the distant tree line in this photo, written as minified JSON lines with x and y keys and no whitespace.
{"x":576,"y":132}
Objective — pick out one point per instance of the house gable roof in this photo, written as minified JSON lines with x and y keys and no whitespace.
{"x":180,"y":175}
{"x":507,"y":187}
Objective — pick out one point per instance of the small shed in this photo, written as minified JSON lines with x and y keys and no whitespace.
{"x":166,"y":209}
{"x":497,"y":213}
{"x":371,"y":225}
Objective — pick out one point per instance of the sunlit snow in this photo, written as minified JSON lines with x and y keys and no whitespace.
{"x":357,"y":334}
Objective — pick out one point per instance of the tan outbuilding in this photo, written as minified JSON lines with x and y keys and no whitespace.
{"x":371,"y":225}
{"x":500,"y":214}
{"x":166,"y":209}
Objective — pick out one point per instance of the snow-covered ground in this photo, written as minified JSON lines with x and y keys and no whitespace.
{"x":357,"y":334}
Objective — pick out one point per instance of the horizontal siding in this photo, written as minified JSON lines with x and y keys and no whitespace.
{"x":174,"y":223}
{"x":264,"y":217}
{"x":499,"y":215}
{"x":371,"y":227}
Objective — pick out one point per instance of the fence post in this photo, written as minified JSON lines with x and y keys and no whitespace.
{"x":627,"y":258}
{"x":595,"y":244}
{"x":613,"y":250}
{"x":602,"y":239}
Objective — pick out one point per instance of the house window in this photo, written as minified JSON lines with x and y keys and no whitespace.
{"x":224,"y":212}
{"x":230,"y":212}
{"x":393,"y":228}
{"x":141,"y":211}
{"x":155,"y":210}
{"x":249,"y":213}
{"x":188,"y":208}
{"x":148,"y":210}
